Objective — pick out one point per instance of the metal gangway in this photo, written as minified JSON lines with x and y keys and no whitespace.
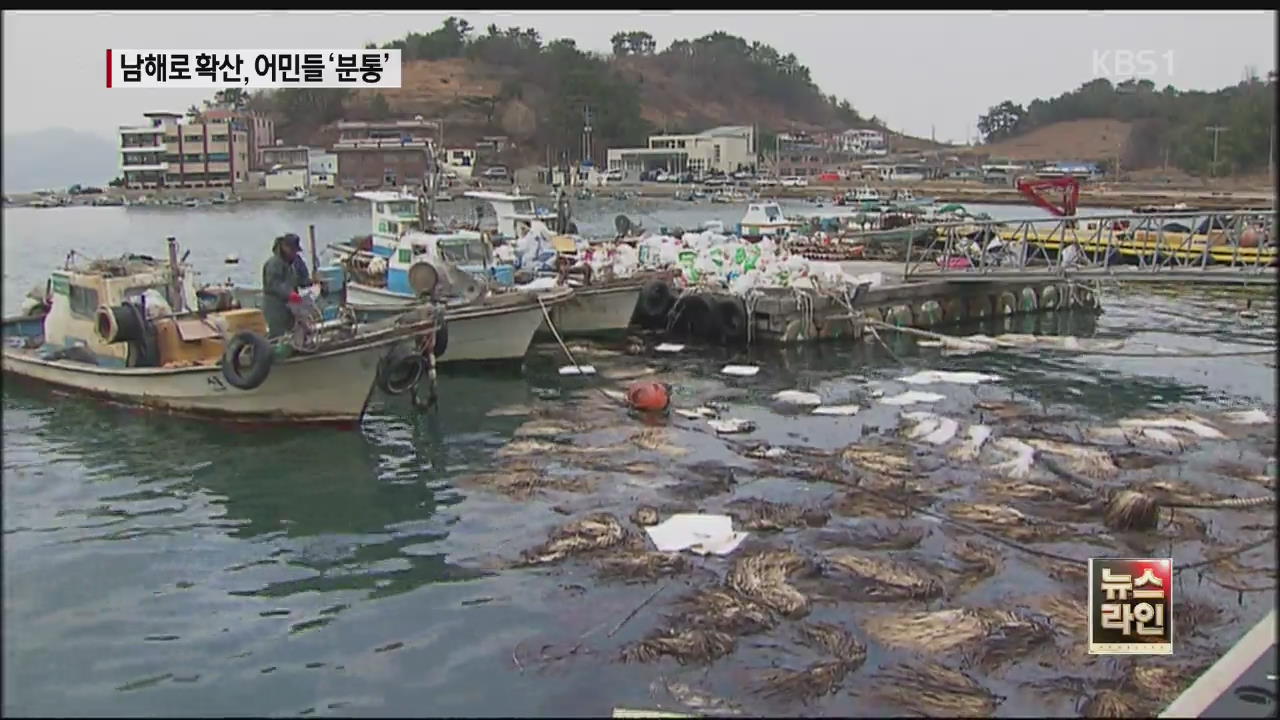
{"x":1238,"y":246}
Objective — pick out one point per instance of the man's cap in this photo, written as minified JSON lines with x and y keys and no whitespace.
{"x":290,"y":239}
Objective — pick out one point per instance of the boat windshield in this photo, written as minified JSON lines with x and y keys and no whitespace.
{"x":402,"y":207}
{"x":463,"y":251}
{"x":772,"y":212}
{"x":523,"y":207}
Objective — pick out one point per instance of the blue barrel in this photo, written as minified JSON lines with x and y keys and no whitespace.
{"x":504,"y":274}
{"x":331,"y":278}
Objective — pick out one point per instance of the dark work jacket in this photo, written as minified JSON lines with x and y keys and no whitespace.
{"x":279,"y":280}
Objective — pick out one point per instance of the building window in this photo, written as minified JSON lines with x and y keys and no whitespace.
{"x":219,"y":138}
{"x":83,"y":301}
{"x":219,"y":157}
{"x":171,"y":138}
{"x":193,"y":138}
{"x":172,"y":157}
{"x":191,"y":157}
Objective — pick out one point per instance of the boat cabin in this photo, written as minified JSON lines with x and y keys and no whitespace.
{"x":77,"y":294}
{"x":393,"y":214}
{"x":515,"y":212}
{"x":468,"y":250}
{"x":763,"y":220}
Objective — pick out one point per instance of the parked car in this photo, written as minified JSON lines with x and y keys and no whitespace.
{"x":766,"y":181}
{"x":497,"y":172}
{"x":794,"y":181}
{"x":614,"y":175}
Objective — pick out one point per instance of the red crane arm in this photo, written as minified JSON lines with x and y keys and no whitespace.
{"x":1069,"y":187}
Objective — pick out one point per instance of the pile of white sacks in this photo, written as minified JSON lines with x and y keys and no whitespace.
{"x":708,"y":259}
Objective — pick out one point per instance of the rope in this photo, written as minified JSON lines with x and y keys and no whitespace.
{"x":552,"y":326}
{"x":1223,"y":503}
{"x":1230,"y":554}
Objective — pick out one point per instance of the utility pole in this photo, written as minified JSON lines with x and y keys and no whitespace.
{"x":1271,"y":155}
{"x":1216,"y":130}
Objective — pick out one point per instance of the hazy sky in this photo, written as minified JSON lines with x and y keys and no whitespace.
{"x":917,"y":71}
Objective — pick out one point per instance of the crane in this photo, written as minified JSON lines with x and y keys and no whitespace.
{"x":1068,"y":185}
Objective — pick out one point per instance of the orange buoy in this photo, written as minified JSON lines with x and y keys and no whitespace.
{"x":648,"y":396}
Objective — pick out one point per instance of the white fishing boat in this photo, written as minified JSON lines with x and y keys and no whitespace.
{"x":298,"y":194}
{"x":515,"y":212}
{"x":763,"y":220}
{"x":124,"y":331}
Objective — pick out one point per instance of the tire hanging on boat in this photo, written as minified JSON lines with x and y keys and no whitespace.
{"x":400,"y":370}
{"x":1006,"y":304}
{"x":442,"y":338}
{"x":1049,"y":297}
{"x":692,"y":312}
{"x":733,"y":319}
{"x":259,"y":366}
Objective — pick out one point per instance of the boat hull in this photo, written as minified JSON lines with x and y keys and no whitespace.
{"x":328,"y":387}
{"x":484,"y":333}
{"x":593,"y":310}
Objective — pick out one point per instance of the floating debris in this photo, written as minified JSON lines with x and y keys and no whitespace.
{"x":509,"y":411}
{"x":1068,"y":612}
{"x":763,"y":576}
{"x":521,"y":481}
{"x":1086,"y":461}
{"x":1248,"y":417}
{"x":836,"y":410}
{"x":704,"y":479}
{"x":901,"y":537}
{"x":638,"y":714}
{"x":863,"y":504}
{"x":628,"y":373}
{"x":669,"y":348}
{"x":731,"y":426}
{"x":977,"y":436}
{"x":1019,"y":466}
{"x":820,"y":678}
{"x":931,"y":428}
{"x":725,"y":610}
{"x":978,"y":561}
{"x":702,"y":534}
{"x":934,"y":690}
{"x":659,"y":440}
{"x":797,"y":397}
{"x":930,"y":377}
{"x":912,"y":397}
{"x":1131,"y":510}
{"x":1004,"y":520}
{"x":698,"y":413}
{"x":578,"y":370}
{"x":740,"y":370}
{"x":543,"y":429}
{"x":764,"y":452}
{"x":694,"y":699}
{"x":940,"y":631}
{"x":878,"y":461}
{"x":595,"y":532}
{"x":685,"y":645}
{"x":1193,"y":426}
{"x":873,"y":579}
{"x":757,"y":514}
{"x":1109,"y":704}
{"x":645,"y":515}
{"x":642,"y":565}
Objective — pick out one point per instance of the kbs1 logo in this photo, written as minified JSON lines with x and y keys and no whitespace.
{"x":1131,"y":606}
{"x":1131,"y":63}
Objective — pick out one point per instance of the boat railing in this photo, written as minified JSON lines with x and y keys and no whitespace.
{"x":1242,"y":241}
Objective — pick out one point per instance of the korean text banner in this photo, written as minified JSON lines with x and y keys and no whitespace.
{"x":200,"y":68}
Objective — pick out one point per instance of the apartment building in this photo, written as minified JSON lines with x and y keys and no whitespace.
{"x":261,"y":129}
{"x":388,"y":153}
{"x":168,"y":153}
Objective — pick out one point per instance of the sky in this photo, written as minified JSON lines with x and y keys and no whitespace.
{"x":924,"y":73}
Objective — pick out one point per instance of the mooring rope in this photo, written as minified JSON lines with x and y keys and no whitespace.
{"x":556,"y":333}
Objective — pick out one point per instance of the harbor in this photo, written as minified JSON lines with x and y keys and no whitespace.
{"x":426,"y":500}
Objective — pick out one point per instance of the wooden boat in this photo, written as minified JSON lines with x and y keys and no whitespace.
{"x":98,"y":338}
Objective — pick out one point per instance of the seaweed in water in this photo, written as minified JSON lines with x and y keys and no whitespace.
{"x":763,"y":577}
{"x":521,"y":480}
{"x":599,"y":531}
{"x":858,"y":503}
{"x":1131,"y":510}
{"x":686,"y":645}
{"x":977,"y":562}
{"x":724,"y":610}
{"x":1006,"y":521}
{"x":703,"y":480}
{"x":899,"y":537}
{"x":868,"y":578}
{"x":757,"y":514}
{"x":942,"y":630}
{"x":934,"y":689}
{"x":645,"y":515}
{"x":642,"y":565}
{"x":1109,"y":704}
{"x":878,"y":461}
{"x":658,"y":440}
{"x":823,"y":677}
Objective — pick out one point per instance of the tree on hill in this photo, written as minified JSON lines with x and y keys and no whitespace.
{"x":1001,"y":121}
{"x":379,"y":109}
{"x":633,"y":43}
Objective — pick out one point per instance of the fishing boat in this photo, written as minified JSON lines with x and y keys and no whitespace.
{"x":514,"y":212}
{"x":131,"y":331}
{"x":298,"y":194}
{"x":192,"y":202}
{"x":763,"y":220}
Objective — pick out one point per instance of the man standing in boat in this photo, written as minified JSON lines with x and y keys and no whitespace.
{"x":280,"y":283}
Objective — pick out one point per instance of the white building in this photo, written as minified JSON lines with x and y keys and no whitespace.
{"x":862,"y":142}
{"x":725,"y":149}
{"x":461,"y":161}
{"x":287,"y":177}
{"x":323,"y":168}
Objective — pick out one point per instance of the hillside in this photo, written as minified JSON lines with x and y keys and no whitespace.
{"x":509,"y":82}
{"x":1093,"y":140}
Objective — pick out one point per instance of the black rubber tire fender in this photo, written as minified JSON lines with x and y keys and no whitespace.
{"x":656,"y":300}
{"x":442,"y":338}
{"x":691,"y":313}
{"x":710,"y":326}
{"x":400,"y":370}
{"x":733,"y":319}
{"x":258,"y":369}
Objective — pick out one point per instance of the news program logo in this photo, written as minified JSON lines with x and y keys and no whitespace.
{"x":1131,"y":606}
